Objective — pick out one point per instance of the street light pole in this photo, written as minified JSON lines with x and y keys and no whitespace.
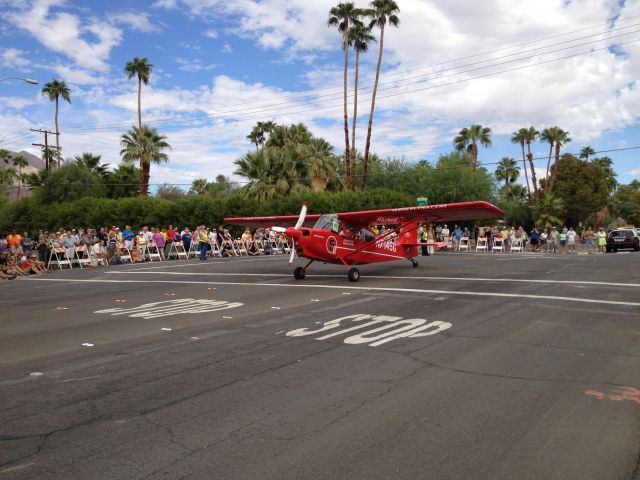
{"x":28,"y":80}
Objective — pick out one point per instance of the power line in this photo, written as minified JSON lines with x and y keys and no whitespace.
{"x":393,"y":84}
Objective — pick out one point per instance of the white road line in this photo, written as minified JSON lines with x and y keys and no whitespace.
{"x":344,"y":287}
{"x":200,"y":264}
{"x":395,"y":277}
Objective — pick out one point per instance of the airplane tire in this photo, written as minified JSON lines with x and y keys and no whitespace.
{"x":299,"y":273}
{"x":353,"y":274}
{"x":414,"y":263}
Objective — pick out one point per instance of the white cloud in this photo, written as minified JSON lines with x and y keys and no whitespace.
{"x":635,"y":172}
{"x":16,"y":103}
{"x":14,"y":58}
{"x":226,"y":48}
{"x":211,"y":33}
{"x":194,"y":65}
{"x":63,"y":33}
{"x":138,"y":21}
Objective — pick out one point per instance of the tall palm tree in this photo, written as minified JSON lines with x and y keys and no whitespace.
{"x":144,"y":145}
{"x":507,"y":171}
{"x":383,"y":12}
{"x":468,"y":139}
{"x":343,"y":15}
{"x":586,"y":152}
{"x":560,"y":138}
{"x":520,"y":138}
{"x":20,"y":162}
{"x":259,"y":131}
{"x":360,"y":37}
{"x":141,"y":68}
{"x":7,"y":177}
{"x":255,"y":137}
{"x":531,"y":135}
{"x":91,"y":162}
{"x":548,"y":135}
{"x":54,"y":90}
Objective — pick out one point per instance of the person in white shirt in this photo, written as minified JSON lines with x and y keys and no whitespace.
{"x":445,"y":234}
{"x":571,"y":241}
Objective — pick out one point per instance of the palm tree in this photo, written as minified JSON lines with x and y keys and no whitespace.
{"x":342,"y":15}
{"x":20,"y":162}
{"x":199,"y":186}
{"x":531,"y":135}
{"x":468,"y":139}
{"x":320,"y":163}
{"x":91,"y":162}
{"x":255,"y":137}
{"x":382,"y":12}
{"x":5,"y":156}
{"x":7,"y":177}
{"x":144,"y":145}
{"x":54,"y":90}
{"x":520,"y":137}
{"x":141,"y":68}
{"x":507,"y":171}
{"x":560,"y":138}
{"x":360,"y":36}
{"x":547,"y":211}
{"x":586,"y":152}
{"x":259,"y":131}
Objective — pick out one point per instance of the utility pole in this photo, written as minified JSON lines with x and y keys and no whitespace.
{"x":46,"y":145}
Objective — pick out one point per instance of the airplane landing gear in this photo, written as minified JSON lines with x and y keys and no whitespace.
{"x":353,"y":274}
{"x":414,"y":263}
{"x":299,"y":273}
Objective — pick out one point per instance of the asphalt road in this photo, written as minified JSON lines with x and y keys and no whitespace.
{"x":469,"y":367}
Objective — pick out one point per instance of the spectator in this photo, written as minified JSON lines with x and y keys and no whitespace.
{"x":535,"y":239}
{"x":185,"y":236}
{"x":554,"y":236}
{"x":571,"y":241}
{"x":563,"y":240}
{"x":15,"y":243}
{"x":602,"y":240}
{"x":158,"y":239}
{"x":127,"y":237}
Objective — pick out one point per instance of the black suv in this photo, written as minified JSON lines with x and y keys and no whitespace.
{"x":623,"y":238}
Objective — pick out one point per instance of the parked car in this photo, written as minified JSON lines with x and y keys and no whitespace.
{"x":620,"y":238}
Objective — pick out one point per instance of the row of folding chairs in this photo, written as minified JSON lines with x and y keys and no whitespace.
{"x":498,"y":246}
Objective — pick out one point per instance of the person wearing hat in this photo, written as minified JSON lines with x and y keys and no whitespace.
{"x":554,"y":240}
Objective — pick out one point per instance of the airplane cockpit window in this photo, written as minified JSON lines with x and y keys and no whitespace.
{"x":328,"y":221}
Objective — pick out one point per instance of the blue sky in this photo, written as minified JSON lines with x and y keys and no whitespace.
{"x":221,"y":66}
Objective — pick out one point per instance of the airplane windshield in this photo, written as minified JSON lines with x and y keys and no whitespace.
{"x":328,"y":221}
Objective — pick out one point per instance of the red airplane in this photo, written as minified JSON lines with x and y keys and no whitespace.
{"x":346,"y":238}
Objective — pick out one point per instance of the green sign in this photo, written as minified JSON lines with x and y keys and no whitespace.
{"x":422,"y":202}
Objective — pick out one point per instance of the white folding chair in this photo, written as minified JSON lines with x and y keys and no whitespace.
{"x":154,"y":252}
{"x":59,"y":256}
{"x":481,"y":244}
{"x":242,"y":248}
{"x":516,"y":246}
{"x":126,"y":254}
{"x":177,"y":248}
{"x":464,"y":244}
{"x":193,"y":250}
{"x":81,"y":256}
{"x":498,"y":245}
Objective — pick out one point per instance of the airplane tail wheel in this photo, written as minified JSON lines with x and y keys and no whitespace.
{"x":299,"y":273}
{"x":353,"y":274}
{"x":414,"y":263}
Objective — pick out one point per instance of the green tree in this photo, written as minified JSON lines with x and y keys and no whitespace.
{"x":360,"y":37}
{"x":468,"y":139}
{"x":581,"y":187}
{"x":548,"y":210}
{"x":70,"y":182}
{"x":123,"y":181}
{"x":626,"y":202}
{"x":54,"y":90}
{"x":519,"y":137}
{"x":140,"y":68}
{"x":383,"y":12}
{"x":530,"y":135}
{"x":258,"y":133}
{"x":342,"y":16}
{"x":91,"y":162}
{"x":320,"y":163}
{"x":199,"y":186}
{"x":289,"y":136}
{"x":5,"y":156}
{"x":507,"y":171}
{"x":7,"y":178}
{"x":144,"y":145}
{"x":169,"y":192}
{"x":586,"y":152}
{"x":606,"y":164}
{"x":19,"y":162}
{"x":556,"y":137}
{"x":454,"y":180}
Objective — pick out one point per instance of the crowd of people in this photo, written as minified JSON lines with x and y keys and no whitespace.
{"x":564,"y":241}
{"x":25,"y":254}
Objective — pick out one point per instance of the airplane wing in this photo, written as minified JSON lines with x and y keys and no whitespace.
{"x":448,"y":212}
{"x":275,"y":221}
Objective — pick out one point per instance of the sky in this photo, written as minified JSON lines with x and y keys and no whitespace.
{"x":220,"y":66}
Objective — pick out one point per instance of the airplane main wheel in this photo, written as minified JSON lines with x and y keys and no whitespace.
{"x":299,"y":273}
{"x":353,"y":274}
{"x":414,"y":263}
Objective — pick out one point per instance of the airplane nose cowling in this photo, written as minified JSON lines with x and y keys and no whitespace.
{"x":291,"y":232}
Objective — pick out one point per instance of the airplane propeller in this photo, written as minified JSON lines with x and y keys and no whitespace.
{"x":299,"y":223}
